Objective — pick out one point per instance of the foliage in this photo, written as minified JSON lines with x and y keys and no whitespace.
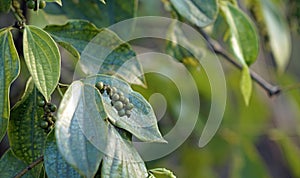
{"x":91,"y":135}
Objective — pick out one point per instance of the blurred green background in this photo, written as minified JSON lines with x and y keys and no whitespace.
{"x":261,"y":140}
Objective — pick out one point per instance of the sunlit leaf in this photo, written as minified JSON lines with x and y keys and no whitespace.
{"x":121,"y":159}
{"x":42,"y":58}
{"x":243,"y":39}
{"x":198,"y":12}
{"x":278,"y":31}
{"x":9,"y":70}
{"x":246,"y":85}
{"x":79,"y":103}
{"x":142,"y":121}
{"x":26,"y":137}
{"x":54,"y":163}
{"x":10,"y":165}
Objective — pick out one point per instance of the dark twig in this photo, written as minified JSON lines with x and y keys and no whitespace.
{"x":28,"y":168}
{"x":218,"y":49}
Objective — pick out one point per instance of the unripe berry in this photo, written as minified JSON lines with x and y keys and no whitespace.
{"x":118,"y":105}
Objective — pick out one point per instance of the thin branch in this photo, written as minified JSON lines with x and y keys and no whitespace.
{"x":218,"y":49}
{"x":28,"y":168}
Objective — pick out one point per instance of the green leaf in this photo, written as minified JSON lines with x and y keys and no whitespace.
{"x":10,"y":165}
{"x":5,"y":5}
{"x":78,"y":103}
{"x":162,"y":173}
{"x":42,"y":58}
{"x":27,"y":138}
{"x":279,"y":33}
{"x":57,"y":1}
{"x":181,"y":48}
{"x":70,"y":48}
{"x":103,"y":1}
{"x":121,"y":159}
{"x":246,"y":85}
{"x":142,"y":123}
{"x":9,"y":70}
{"x":54,"y":163}
{"x":198,"y":12}
{"x":100,"y":14}
{"x":77,"y":33}
{"x":102,"y":51}
{"x":243,"y":37}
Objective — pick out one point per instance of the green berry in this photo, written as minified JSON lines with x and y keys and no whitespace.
{"x":52,"y":107}
{"x":118,"y":105}
{"x":114,"y":89}
{"x":115,"y":97}
{"x":31,"y":4}
{"x":54,"y":119}
{"x":128,"y":113}
{"x":100,"y":85}
{"x":41,"y":103}
{"x":129,"y":106}
{"x":42,"y":4}
{"x":121,"y":112}
{"x":44,"y":124}
{"x":126,"y":101}
{"x":122,"y":97}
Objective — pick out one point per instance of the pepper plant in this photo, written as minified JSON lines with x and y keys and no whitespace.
{"x":90,"y":133}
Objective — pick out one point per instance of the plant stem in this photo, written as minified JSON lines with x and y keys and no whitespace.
{"x":28,"y":168}
{"x":218,"y":49}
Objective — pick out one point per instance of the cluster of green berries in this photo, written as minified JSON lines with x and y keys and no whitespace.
{"x":33,"y":4}
{"x":118,"y":100}
{"x":48,"y":118}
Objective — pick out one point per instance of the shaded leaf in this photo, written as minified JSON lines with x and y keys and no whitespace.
{"x":181,"y":48}
{"x":279,"y":33}
{"x":5,"y":5}
{"x":121,"y":159}
{"x":9,"y":70}
{"x":198,"y":12}
{"x":42,"y":58}
{"x":77,"y":33}
{"x":10,"y":165}
{"x":102,"y":51}
{"x":243,"y":39}
{"x":72,"y":142}
{"x":142,"y":122}
{"x":246,"y":85}
{"x":54,"y":163}
{"x":26,"y":137}
{"x":100,"y":14}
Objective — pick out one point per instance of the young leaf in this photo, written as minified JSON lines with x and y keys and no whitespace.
{"x":243,"y":37}
{"x":10,"y":165}
{"x":162,"y":173}
{"x":246,"y":84}
{"x":121,"y":159}
{"x":57,"y":1}
{"x":76,"y":110}
{"x":278,"y":30}
{"x":26,"y":137}
{"x":42,"y":58}
{"x":54,"y":163}
{"x":102,"y":51}
{"x":198,"y":12}
{"x":142,"y":121}
{"x":9,"y":70}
